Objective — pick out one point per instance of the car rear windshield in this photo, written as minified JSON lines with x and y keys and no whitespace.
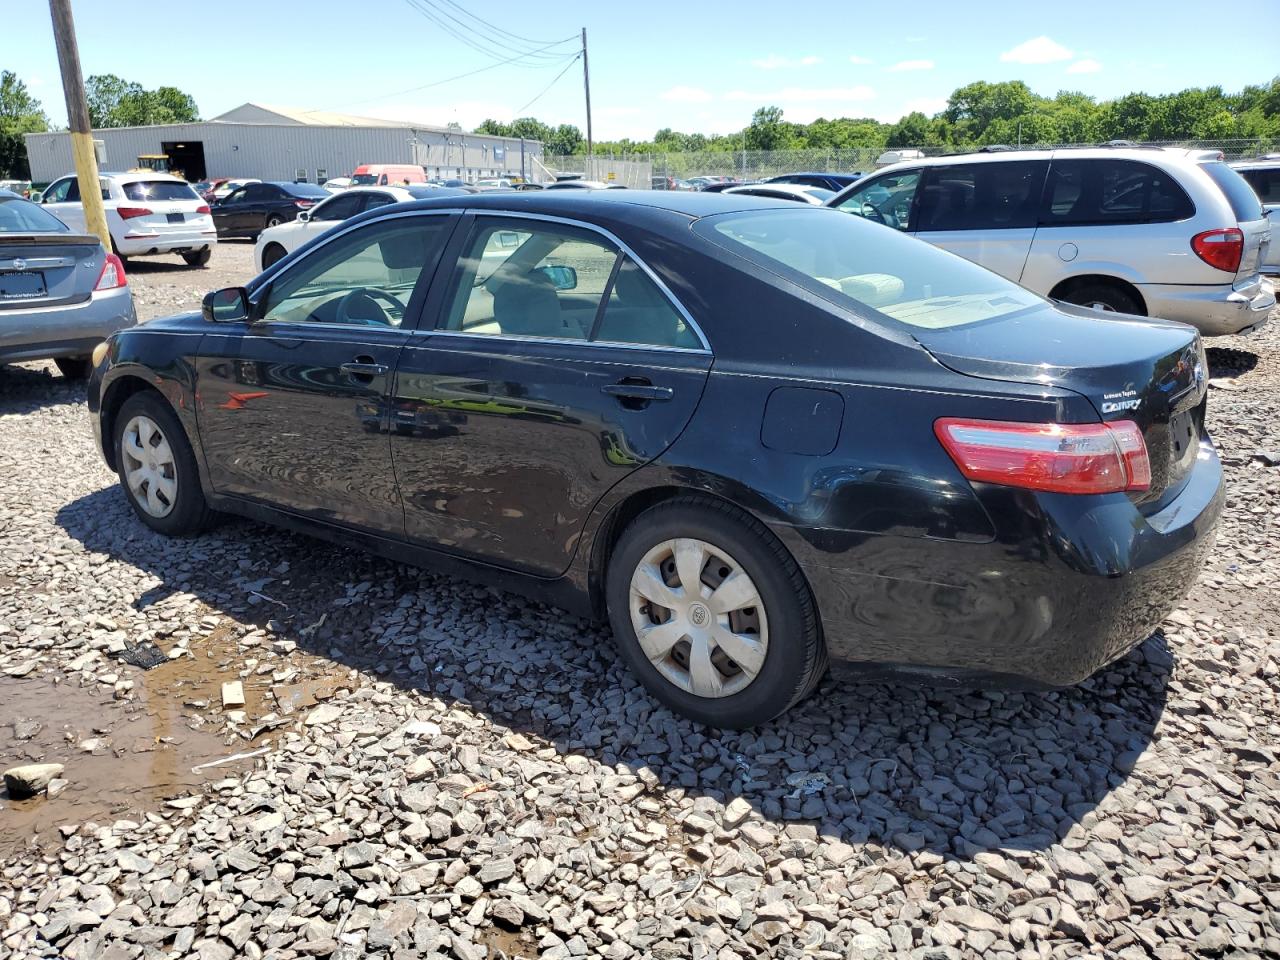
{"x":854,"y":263}
{"x":157,"y":190}
{"x":1265,"y":182}
{"x":1244,"y":202}
{"x":23,"y":216}
{"x":364,"y":179}
{"x":305,"y":190}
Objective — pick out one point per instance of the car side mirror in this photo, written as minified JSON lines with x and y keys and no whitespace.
{"x":36,"y":197}
{"x":228,"y":305}
{"x":304,"y":216}
{"x":562,"y":277}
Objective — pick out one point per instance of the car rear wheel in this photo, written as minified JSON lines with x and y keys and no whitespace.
{"x":272,"y":254}
{"x":157,"y":467}
{"x":274,"y":220}
{"x":1106,"y":297}
{"x":712,"y":614}
{"x":198,"y":258}
{"x":73,"y":368}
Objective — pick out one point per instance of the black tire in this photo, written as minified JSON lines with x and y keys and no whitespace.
{"x":74,"y":368}
{"x":1100,"y":295}
{"x":198,"y":258}
{"x":796,"y":656}
{"x":189,"y":513}
{"x":272,"y":255}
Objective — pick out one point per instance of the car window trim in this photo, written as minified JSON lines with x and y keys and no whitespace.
{"x":258,"y":294}
{"x":624,"y":250}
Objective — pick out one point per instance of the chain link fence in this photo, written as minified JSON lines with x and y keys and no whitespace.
{"x":641,"y":169}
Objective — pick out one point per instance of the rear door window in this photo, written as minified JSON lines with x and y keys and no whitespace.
{"x":1244,"y":202}
{"x":981,"y":196}
{"x":1107,"y":191}
{"x":261,"y":192}
{"x":339,"y":208}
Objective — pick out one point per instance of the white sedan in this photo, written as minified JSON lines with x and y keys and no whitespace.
{"x":816,"y":196}
{"x":147,"y":213}
{"x":275,"y":243}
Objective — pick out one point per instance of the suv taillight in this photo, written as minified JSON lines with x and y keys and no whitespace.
{"x":112,"y":275}
{"x":1220,"y":249}
{"x":203,"y":208}
{"x":128,"y":213}
{"x":1054,"y":457}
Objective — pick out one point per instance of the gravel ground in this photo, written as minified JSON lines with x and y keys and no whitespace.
{"x":441,"y":770}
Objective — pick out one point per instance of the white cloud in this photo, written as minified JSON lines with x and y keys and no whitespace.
{"x":1036,"y":50}
{"x":776,"y":62}
{"x":805,"y":95}
{"x":926,"y":105}
{"x":686,"y":95}
{"x":903,"y":65}
{"x":860,"y":61}
{"x":1084,"y":66}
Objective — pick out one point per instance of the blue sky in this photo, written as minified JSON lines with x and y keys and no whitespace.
{"x":652,"y":65}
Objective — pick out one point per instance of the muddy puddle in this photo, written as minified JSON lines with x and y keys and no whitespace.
{"x":124,"y":757}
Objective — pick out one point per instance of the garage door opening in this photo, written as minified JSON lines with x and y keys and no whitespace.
{"x":186,"y":157}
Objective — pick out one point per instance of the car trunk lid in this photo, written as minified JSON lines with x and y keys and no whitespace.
{"x":43,"y":270}
{"x":1148,"y":371}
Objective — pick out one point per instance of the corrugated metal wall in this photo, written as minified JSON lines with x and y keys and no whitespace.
{"x":283,"y":152}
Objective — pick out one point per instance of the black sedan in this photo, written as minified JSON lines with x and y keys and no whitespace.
{"x":756,"y":436}
{"x":249,"y":210}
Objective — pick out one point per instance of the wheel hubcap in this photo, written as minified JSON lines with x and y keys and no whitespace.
{"x":149,"y":467}
{"x":699,"y":618}
{"x":1099,"y":305}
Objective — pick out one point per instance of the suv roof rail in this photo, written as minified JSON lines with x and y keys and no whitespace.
{"x":1130,"y":145}
{"x":997,"y":148}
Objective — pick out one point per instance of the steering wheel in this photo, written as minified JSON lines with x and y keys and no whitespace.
{"x":365,"y":300}
{"x":871,"y":212}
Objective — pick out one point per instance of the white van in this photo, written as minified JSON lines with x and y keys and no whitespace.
{"x":1150,"y":231}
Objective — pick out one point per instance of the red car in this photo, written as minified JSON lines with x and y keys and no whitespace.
{"x":206,"y":187}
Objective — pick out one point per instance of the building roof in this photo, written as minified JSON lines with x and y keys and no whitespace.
{"x":264,"y":113}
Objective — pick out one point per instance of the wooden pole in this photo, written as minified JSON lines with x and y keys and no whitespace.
{"x":64,"y":35}
{"x":586,"y":85}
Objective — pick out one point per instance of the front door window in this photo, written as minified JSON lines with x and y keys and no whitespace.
{"x":885,"y":199}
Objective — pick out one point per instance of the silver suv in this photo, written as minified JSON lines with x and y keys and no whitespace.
{"x":1152,"y":231}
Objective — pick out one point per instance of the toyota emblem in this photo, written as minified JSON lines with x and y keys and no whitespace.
{"x":19,"y":264}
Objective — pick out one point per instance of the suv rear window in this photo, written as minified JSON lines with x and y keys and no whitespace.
{"x":156,"y":190}
{"x":981,"y":196}
{"x":1096,"y":191}
{"x":1245,"y":205}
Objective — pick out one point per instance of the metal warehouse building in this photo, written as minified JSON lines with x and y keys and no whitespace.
{"x":275,"y":143}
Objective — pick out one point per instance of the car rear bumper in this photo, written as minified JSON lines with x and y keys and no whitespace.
{"x":1076,"y":584}
{"x":1213,"y":310}
{"x":42,"y":333}
{"x":140,"y":242}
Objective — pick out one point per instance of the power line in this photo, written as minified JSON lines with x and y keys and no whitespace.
{"x":497,"y":41}
{"x":469,"y":38}
{"x":491,"y":26}
{"x":549,"y":85}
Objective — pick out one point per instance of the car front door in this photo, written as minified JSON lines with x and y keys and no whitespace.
{"x":325,"y":216}
{"x":984,"y":212}
{"x":292,"y":408}
{"x":261,"y":199}
{"x":62,"y":199}
{"x":558,"y":365}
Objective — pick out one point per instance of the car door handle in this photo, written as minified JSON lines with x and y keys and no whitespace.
{"x":638,"y":391}
{"x":363,"y":368}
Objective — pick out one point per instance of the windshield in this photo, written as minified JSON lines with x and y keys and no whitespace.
{"x":853,"y":263}
{"x":22,"y":216}
{"x":364,"y":179}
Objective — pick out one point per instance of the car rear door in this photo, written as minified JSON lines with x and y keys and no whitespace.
{"x":62,"y":199}
{"x":1252,"y":220}
{"x":293,"y":404}
{"x":984,"y":212}
{"x":558,"y":365}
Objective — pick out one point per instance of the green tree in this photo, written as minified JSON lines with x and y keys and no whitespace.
{"x":974,"y":107}
{"x":115,"y":102}
{"x":768,"y":131}
{"x":911,"y":131}
{"x":20,"y":113}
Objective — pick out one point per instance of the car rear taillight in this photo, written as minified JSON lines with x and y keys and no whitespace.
{"x":128,"y":213}
{"x":1054,"y":457}
{"x":303,"y":204}
{"x":112,"y":275}
{"x":203,"y":208}
{"x":1220,"y":248}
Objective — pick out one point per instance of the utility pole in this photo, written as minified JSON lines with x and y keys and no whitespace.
{"x":64,"y":35}
{"x":586,"y":85}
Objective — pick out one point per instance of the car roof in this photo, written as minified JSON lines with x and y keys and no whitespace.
{"x":135,"y":177}
{"x":586,"y":204}
{"x":1176,"y":155}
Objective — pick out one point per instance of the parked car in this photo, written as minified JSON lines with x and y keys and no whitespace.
{"x":1264,"y":176}
{"x":1145,"y":231}
{"x":337,"y":184}
{"x":835,"y":182}
{"x":61,"y":294}
{"x":262,"y":205}
{"x":754,"y":437}
{"x":724,"y":185}
{"x":584,"y":185}
{"x":208,"y":188}
{"x":147,"y":214}
{"x":275,"y":243}
{"x":387,"y":174}
{"x":783,"y":191}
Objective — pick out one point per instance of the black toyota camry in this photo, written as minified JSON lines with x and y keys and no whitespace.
{"x":753,"y":436}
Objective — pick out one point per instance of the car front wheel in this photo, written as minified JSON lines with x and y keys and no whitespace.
{"x":157,"y":467}
{"x":73,"y":368}
{"x":712,"y":614}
